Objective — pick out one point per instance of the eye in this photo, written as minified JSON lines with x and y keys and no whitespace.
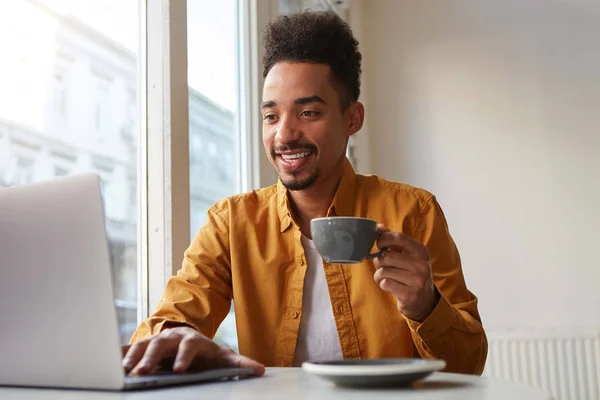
{"x":310,"y":113}
{"x":270,"y":117}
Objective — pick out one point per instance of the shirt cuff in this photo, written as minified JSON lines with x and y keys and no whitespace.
{"x":166,"y":324}
{"x":437,"y":322}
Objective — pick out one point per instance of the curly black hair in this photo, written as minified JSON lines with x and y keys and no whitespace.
{"x":320,"y":37}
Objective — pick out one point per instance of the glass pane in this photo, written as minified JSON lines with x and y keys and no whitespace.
{"x":212,"y":71}
{"x":68,"y":106}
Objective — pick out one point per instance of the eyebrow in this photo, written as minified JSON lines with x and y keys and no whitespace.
{"x":267,"y":104}
{"x":311,"y":99}
{"x":301,"y":100}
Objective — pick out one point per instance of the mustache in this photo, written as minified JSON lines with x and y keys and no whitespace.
{"x":293,"y":146}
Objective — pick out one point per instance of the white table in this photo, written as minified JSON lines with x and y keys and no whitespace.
{"x":295,"y":384}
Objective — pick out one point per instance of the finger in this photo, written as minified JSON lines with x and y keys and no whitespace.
{"x":124,"y":349}
{"x":188,"y":350}
{"x":238,"y":361}
{"x":395,"y":259}
{"x":134,"y":354}
{"x":192,"y":348}
{"x":159,"y":348}
{"x":403,"y":277}
{"x":382,"y":228}
{"x":399,"y":290}
{"x":227,"y":358}
{"x":400,"y":241}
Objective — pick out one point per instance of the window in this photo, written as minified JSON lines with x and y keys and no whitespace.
{"x":60,"y":171}
{"x":23,"y":171}
{"x":212,"y":150}
{"x":213,"y":96}
{"x":101,"y":99}
{"x":71,"y":67}
{"x":60,"y":95}
{"x":229,"y":160}
{"x":35,"y":97}
{"x":16,"y":169}
{"x":196,"y":144}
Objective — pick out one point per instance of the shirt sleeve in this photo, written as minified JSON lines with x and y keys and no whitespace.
{"x":200,"y":294}
{"x":453,"y":331}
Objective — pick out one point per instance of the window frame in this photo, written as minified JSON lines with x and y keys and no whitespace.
{"x":164,"y":167}
{"x":254,"y":168}
{"x":163,"y":171}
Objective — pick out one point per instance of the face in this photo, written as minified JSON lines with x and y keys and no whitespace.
{"x":305,"y":131}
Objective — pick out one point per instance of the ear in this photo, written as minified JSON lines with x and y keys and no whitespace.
{"x":355,"y":115}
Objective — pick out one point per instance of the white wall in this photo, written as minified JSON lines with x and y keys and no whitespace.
{"x":494,"y":106}
{"x":353,"y":14}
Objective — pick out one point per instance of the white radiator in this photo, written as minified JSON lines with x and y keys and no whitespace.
{"x":563,"y":363}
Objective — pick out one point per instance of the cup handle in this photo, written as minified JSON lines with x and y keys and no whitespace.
{"x":379,"y":253}
{"x":375,"y":255}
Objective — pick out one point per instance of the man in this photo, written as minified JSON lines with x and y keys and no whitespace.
{"x":255,"y":248}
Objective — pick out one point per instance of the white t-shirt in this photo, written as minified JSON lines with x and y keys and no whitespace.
{"x":317,"y":337}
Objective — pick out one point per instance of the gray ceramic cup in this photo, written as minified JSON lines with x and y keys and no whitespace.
{"x":344,"y":240}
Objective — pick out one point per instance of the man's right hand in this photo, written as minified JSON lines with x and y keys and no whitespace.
{"x":188,"y":347}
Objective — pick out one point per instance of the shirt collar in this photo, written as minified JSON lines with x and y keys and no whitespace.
{"x":342,"y":204}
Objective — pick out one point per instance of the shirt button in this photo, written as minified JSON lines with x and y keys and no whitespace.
{"x":300,"y":261}
{"x":294,"y":314}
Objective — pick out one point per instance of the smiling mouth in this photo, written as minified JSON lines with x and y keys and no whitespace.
{"x":295,"y":156}
{"x":294,"y":161}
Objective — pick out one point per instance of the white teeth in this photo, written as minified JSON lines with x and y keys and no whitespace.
{"x":289,"y":157}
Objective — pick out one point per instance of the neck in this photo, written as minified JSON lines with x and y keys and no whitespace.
{"x":313,"y":202}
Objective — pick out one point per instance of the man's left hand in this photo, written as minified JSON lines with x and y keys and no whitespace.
{"x":404,"y":270}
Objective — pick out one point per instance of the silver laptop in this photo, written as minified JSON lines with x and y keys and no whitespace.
{"x":58,"y":322}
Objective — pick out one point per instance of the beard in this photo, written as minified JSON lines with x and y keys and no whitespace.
{"x":299,"y":183}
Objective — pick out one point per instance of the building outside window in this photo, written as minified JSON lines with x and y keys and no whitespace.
{"x":70,"y":69}
{"x":48,"y":100}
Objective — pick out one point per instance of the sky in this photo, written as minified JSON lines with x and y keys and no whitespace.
{"x":211,"y":38}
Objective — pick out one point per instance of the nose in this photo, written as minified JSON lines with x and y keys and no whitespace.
{"x":287,"y":130}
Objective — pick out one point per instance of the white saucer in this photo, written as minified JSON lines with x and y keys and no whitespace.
{"x":374,"y":372}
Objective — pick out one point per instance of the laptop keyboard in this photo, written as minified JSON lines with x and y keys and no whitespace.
{"x":166,"y":378}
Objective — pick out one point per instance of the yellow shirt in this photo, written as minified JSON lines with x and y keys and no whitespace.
{"x":250,"y":250}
